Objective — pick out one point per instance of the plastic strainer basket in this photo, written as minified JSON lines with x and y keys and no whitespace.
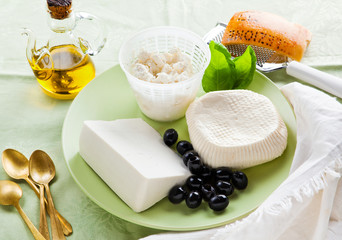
{"x":165,"y":102}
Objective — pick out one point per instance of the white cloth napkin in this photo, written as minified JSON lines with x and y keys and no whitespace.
{"x":308,"y":204}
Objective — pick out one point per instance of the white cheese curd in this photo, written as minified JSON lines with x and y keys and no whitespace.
{"x":168,"y":99}
{"x":236,"y":128}
{"x":166,"y":67}
{"x":132,"y":159}
{"x":142,"y":72}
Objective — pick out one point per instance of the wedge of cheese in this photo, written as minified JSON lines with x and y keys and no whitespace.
{"x":236,"y":128}
{"x":131,"y":157}
{"x":269,"y":31}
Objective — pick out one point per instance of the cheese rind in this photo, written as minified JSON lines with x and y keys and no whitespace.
{"x":131,"y":158}
{"x":268,"y":31}
{"x":236,"y":128}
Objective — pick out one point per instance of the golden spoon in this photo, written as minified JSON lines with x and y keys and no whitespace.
{"x":10,"y":194}
{"x":43,"y":227}
{"x":19,"y":169}
{"x":42,"y":171}
{"x":16,"y":166}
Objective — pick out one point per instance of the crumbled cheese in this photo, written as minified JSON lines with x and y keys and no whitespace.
{"x":142,"y":72}
{"x":168,"y":67}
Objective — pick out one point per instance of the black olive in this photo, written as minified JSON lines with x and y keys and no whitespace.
{"x":225,"y":188}
{"x":223,"y":173}
{"x":177,"y":194}
{"x":194,"y":182}
{"x":195,"y":165}
{"x":170,"y":137}
{"x":218,"y":202}
{"x":208,"y":192}
{"x":206,"y":173}
{"x":194,"y":199}
{"x":239,"y":180}
{"x":186,"y":156}
{"x":183,"y":147}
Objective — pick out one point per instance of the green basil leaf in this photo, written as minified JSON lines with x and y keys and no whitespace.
{"x":221,"y":73}
{"x":245,"y":66}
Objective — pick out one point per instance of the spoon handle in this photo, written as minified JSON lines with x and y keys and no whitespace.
{"x":57,"y":232}
{"x":36,"y":234}
{"x":43,"y":226}
{"x":66,"y":226}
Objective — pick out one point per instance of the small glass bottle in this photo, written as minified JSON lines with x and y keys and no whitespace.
{"x":63,"y":67}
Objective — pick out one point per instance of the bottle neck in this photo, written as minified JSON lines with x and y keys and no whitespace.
{"x":62,"y":25}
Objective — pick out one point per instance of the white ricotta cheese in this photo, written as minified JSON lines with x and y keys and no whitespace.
{"x":131,"y":157}
{"x":236,"y":128}
{"x":167,"y":67}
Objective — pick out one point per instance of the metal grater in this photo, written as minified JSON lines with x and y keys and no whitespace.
{"x":267,"y":60}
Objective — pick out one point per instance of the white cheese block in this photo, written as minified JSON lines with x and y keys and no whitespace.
{"x":131,"y":157}
{"x":236,"y":128}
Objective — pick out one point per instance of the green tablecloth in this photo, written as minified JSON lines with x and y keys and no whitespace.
{"x":30,"y":120}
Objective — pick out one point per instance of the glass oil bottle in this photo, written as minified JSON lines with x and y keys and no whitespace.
{"x":63,"y":67}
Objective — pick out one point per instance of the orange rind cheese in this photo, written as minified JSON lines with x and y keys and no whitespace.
{"x":269,"y":31}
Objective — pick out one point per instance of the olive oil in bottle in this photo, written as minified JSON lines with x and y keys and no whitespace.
{"x":63,"y":65}
{"x":71,"y":71}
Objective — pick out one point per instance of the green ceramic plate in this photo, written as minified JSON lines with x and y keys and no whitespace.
{"x":109,"y":97}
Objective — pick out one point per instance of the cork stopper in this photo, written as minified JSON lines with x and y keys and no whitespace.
{"x":59,"y":9}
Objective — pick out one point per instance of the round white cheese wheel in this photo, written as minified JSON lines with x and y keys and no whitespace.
{"x":236,"y":128}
